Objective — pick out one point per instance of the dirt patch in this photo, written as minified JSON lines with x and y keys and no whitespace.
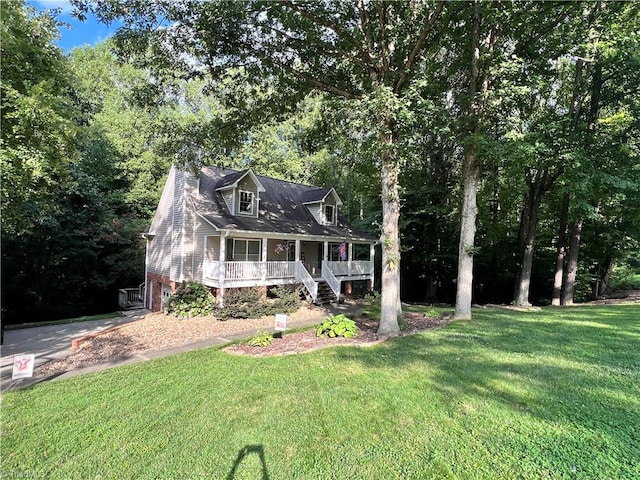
{"x":307,"y":341}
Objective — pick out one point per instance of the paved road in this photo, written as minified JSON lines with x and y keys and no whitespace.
{"x":50,"y":342}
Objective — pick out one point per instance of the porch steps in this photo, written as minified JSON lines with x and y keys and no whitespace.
{"x":325,"y":294}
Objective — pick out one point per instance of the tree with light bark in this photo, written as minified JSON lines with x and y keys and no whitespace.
{"x":367,"y":53}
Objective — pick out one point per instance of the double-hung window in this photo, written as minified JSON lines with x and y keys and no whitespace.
{"x":246,"y":202}
{"x":246,"y":250}
{"x":329,"y":212}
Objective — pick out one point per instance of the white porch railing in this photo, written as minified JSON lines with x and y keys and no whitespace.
{"x":303,"y":275}
{"x":281,"y":269}
{"x":248,"y":270}
{"x":258,"y":270}
{"x":355,"y":267}
{"x":330,"y":278}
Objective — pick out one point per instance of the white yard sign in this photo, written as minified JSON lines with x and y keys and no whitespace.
{"x":281,"y":322}
{"x":23,"y":366}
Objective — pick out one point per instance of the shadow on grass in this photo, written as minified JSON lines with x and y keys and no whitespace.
{"x":578,"y":365}
{"x":245,"y":452}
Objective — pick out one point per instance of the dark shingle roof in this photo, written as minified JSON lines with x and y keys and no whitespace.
{"x":314,"y":195}
{"x":282,"y":208}
{"x":230,"y":179}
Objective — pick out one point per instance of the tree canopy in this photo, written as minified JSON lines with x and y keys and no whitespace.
{"x":492,"y":146}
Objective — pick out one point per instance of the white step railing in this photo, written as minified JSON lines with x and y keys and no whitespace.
{"x":331,"y":279}
{"x":303,"y":276}
{"x":129,"y":297}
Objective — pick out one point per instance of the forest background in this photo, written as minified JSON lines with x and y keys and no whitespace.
{"x":521,"y":119}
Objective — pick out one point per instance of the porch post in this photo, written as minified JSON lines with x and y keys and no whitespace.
{"x":263,"y":266}
{"x":297,"y":252}
{"x":372,"y":254}
{"x":221,"y":263}
{"x":206,"y":257}
{"x":325,"y":255}
{"x":349,"y":257}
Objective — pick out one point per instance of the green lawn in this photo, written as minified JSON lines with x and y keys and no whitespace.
{"x":85,"y":318}
{"x":548,"y":394}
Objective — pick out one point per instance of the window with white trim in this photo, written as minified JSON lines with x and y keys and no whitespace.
{"x":246,"y":202}
{"x":246,"y":250}
{"x":329,"y":214}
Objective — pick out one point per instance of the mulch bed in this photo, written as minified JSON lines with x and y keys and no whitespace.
{"x":300,"y":342}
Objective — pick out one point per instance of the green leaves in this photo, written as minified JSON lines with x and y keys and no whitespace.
{"x":337,"y":326}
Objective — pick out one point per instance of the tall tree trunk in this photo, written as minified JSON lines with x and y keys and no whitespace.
{"x":390,"y":306}
{"x":539,"y":184}
{"x":464,"y":292}
{"x":569,"y":282}
{"x":560,"y":251}
{"x":471,"y":179}
{"x":605,"y":277}
{"x":534,"y":199}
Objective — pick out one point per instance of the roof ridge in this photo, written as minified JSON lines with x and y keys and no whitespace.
{"x":233,"y":170}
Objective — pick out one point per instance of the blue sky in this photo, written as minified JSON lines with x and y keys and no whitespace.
{"x":79,"y":33}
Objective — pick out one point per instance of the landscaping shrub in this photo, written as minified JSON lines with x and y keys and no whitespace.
{"x":248,"y":303}
{"x":288,"y":299}
{"x":337,"y":326}
{"x":191,"y":299}
{"x":241,"y":303}
{"x":260,"y":339}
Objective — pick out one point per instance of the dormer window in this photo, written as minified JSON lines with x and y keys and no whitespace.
{"x":246,"y":202}
{"x":329,"y":214}
{"x":241,"y":193}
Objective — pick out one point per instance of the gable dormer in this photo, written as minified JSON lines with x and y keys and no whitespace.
{"x":241,"y":192}
{"x":323,"y":204}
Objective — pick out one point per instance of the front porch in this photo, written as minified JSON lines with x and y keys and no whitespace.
{"x":234,"y":261}
{"x":316,"y":280}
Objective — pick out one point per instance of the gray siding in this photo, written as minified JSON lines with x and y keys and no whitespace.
{"x":227,"y":195}
{"x":316,"y":211}
{"x":203,"y":230}
{"x":171,"y":252}
{"x":159,"y":258}
{"x":179,"y":227}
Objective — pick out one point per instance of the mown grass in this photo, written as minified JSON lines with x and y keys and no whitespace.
{"x":547,"y":394}
{"x":85,"y":318}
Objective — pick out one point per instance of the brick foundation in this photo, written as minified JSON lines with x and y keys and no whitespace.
{"x":157,"y":281}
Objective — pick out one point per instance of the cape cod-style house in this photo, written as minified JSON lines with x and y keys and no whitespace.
{"x":233,"y":229}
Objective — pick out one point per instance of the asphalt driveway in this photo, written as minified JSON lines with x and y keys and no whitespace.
{"x":51,"y":342}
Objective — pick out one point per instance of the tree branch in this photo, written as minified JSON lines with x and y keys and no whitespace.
{"x":424,"y":32}
{"x":367,"y":63}
{"x":312,"y":81}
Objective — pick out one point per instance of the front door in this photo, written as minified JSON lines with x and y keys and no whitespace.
{"x":166,"y":293}
{"x":291,"y":251}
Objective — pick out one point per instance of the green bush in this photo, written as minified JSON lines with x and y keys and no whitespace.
{"x":260,"y":339}
{"x":191,"y":299}
{"x":337,"y":326}
{"x":431,"y":313}
{"x":373,"y":307}
{"x":625,"y":277}
{"x":288,"y":299}
{"x":241,"y":303}
{"x":248,"y":303}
